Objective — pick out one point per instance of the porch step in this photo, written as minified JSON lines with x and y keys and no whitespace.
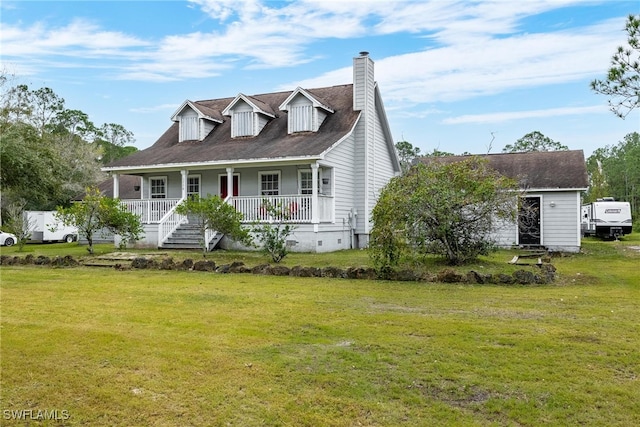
{"x":188,"y":236}
{"x":214,"y":242}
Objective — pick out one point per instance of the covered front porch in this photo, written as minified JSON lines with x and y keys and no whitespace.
{"x":249,"y":190}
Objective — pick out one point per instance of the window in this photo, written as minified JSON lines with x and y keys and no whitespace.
{"x":305,"y":178}
{"x":269,"y":183}
{"x":242,"y":123}
{"x":188,"y":128}
{"x":193,"y":185}
{"x":158,"y":187}
{"x":300,"y":118}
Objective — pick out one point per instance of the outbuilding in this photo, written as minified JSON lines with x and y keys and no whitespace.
{"x":550,"y":205}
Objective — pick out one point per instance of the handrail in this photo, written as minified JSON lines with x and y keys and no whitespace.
{"x":169,"y":223}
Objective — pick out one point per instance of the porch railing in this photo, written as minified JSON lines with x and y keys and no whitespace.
{"x":151,"y":211}
{"x":253,"y":208}
{"x":169,"y":222}
{"x":295,"y":208}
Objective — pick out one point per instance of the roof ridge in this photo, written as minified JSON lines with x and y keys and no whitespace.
{"x":273,"y":93}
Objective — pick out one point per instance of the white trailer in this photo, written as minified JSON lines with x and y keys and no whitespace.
{"x":46,"y":228}
{"x":606,"y":218}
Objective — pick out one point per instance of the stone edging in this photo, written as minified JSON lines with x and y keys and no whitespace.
{"x":543,"y":274}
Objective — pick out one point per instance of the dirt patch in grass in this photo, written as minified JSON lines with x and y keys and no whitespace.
{"x":452,"y":393}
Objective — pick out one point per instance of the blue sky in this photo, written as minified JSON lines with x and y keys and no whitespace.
{"x":454,"y":75}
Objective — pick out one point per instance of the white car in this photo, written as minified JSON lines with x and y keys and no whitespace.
{"x":7,"y":239}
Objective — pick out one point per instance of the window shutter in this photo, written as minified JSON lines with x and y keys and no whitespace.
{"x":243,"y":123}
{"x":188,"y":128}
{"x":300,"y":118}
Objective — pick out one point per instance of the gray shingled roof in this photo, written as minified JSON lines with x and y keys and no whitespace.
{"x":273,"y":142}
{"x":536,"y":170}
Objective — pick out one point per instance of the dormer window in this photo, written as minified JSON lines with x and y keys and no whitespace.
{"x":242,"y":123}
{"x":188,"y":126}
{"x":248,"y":115}
{"x":195,"y":121}
{"x":301,"y":118}
{"x":306,"y":111}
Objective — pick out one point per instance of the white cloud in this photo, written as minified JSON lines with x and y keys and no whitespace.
{"x":478,"y":48}
{"x":520,"y":115}
{"x":76,"y":39}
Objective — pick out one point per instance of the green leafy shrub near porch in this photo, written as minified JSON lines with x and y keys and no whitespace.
{"x":213,"y":213}
{"x":97,"y":212}
{"x":274,"y":233}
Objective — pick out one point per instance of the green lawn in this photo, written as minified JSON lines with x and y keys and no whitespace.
{"x":158,"y":348}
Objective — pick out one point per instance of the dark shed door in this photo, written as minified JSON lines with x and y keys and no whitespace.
{"x":529,"y":224}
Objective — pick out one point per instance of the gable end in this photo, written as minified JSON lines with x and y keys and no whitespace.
{"x":195,"y":121}
{"x":306,"y":112}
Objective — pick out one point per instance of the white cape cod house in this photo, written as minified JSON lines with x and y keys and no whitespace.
{"x":323,"y":153}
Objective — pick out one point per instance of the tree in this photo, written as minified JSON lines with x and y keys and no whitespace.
{"x":16,"y":104}
{"x":598,"y":186}
{"x":17,"y":222}
{"x":534,"y":141}
{"x":46,"y":104}
{"x":439,"y":153}
{"x":442,"y":208}
{"x":622,"y":172}
{"x":614,"y":171}
{"x":114,"y":142}
{"x":274,"y":234}
{"x":73,"y":122}
{"x":214,"y":214}
{"x":622,"y":84}
{"x":48,"y":153}
{"x":97,"y":212}
{"x":406,"y":153}
{"x":29,"y":169}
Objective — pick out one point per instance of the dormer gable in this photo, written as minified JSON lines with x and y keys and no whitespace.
{"x":195,"y":121}
{"x":248,"y":115}
{"x":306,"y":112}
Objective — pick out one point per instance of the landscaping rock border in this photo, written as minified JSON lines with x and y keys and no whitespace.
{"x":543,"y":274}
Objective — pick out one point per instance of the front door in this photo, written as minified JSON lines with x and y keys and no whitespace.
{"x":223,"y":186}
{"x":529,"y":224}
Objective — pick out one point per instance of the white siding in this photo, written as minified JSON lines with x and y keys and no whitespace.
{"x":382,"y":166}
{"x":207,"y":127}
{"x":261,"y":122}
{"x":341,"y":158}
{"x":363,"y":81}
{"x":360,"y":171}
{"x":560,"y":222}
{"x":560,"y":226}
{"x":320,"y":116}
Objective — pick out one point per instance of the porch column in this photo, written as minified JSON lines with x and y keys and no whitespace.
{"x":116,"y":185}
{"x":230,"y":182}
{"x":314,"y":194}
{"x":185,"y":174}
